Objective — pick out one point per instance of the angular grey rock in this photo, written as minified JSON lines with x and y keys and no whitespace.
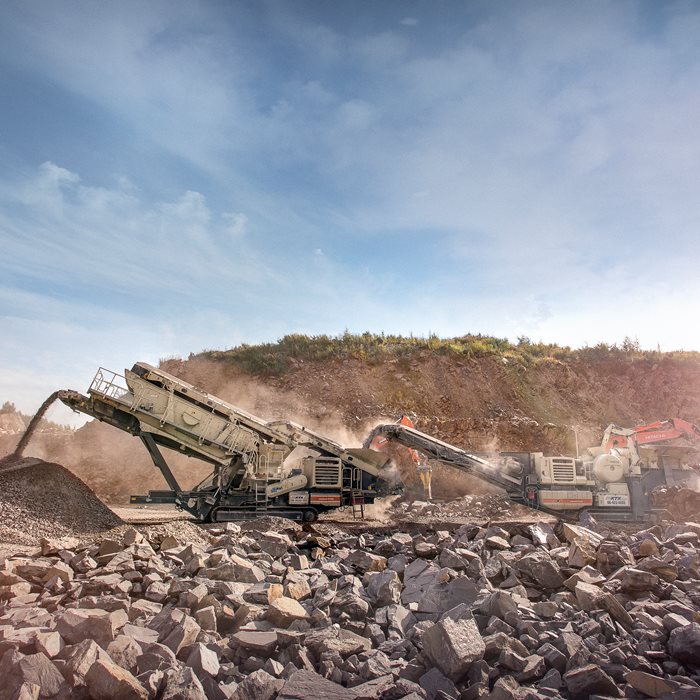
{"x":78,"y":660}
{"x":263,"y":593}
{"x":107,"y":681}
{"x":384,"y":587}
{"x":157,"y":658}
{"x":542,"y":534}
{"x":552,"y":679}
{"x":495,"y":542}
{"x":450,"y":559}
{"x":124,"y":651}
{"x":541,"y":570}
{"x":684,"y":644}
{"x":258,"y":642}
{"x":275,"y":544}
{"x":77,"y":624}
{"x":512,"y":661}
{"x":206,"y":618}
{"x":581,"y":553}
{"x":297,"y":589}
{"x":363,"y":561}
{"x":50,"y":643}
{"x":303,"y":685}
{"x":343,"y":642}
{"x":499,"y":603}
{"x":535,"y":668}
{"x":283,"y":611}
{"x":554,"y":658}
{"x":400,"y":619}
{"x":238,"y":569}
{"x":16,"y":670}
{"x":611,"y":556}
{"x":419,"y":575}
{"x":425,"y":550}
{"x":673,"y":620}
{"x":27,"y":691}
{"x":434,"y":682}
{"x":636,"y":580}
{"x":495,"y":643}
{"x":141,"y":635}
{"x":505,"y":688}
{"x":376,"y":666}
{"x":453,"y":646}
{"x":175,"y":628}
{"x":259,"y":685}
{"x":203,"y":661}
{"x":649,"y":685}
{"x":181,"y":683}
{"x":349,"y":603}
{"x":590,"y":680}
{"x":441,"y":597}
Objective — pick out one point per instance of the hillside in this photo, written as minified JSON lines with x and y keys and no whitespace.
{"x":475,"y":392}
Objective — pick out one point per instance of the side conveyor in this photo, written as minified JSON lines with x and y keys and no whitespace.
{"x":495,"y":472}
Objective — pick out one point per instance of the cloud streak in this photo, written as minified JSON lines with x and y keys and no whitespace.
{"x":512,"y":169}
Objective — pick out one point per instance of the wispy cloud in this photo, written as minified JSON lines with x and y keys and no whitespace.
{"x":255,"y":169}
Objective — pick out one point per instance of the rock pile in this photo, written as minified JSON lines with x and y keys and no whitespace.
{"x":479,"y":507}
{"x":478,"y":612}
{"x":40,"y":499}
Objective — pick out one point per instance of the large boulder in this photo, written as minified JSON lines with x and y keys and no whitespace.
{"x":283,"y":611}
{"x":453,"y":646}
{"x":17,"y":670}
{"x":590,"y":680}
{"x":684,"y":644}
{"x":541,"y":569}
{"x":384,"y":587}
{"x":107,"y":681}
{"x":302,"y":685}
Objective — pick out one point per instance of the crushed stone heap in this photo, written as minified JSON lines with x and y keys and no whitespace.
{"x":526,"y":612}
{"x":41,"y":499}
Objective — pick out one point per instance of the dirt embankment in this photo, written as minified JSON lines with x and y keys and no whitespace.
{"x":480,"y":403}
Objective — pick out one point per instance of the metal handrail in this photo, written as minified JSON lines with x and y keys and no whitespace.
{"x":109,"y":383}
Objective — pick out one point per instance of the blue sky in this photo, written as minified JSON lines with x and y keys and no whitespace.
{"x":180,"y":176}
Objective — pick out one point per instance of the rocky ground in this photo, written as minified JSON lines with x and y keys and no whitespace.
{"x":417,"y":606}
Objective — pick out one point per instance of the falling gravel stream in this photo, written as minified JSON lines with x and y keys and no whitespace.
{"x":33,"y":425}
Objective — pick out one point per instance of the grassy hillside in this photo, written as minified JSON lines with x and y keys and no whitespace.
{"x":276,"y":358}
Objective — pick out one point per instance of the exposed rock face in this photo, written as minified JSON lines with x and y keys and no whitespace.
{"x":517,"y":612}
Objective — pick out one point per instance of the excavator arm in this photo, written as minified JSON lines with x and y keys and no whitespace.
{"x":656,"y":432}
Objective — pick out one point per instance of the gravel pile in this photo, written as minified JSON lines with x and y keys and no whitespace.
{"x":40,"y":499}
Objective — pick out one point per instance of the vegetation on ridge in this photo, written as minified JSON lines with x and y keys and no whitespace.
{"x":276,"y":358}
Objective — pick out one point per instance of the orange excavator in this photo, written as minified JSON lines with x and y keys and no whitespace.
{"x":665,"y":441}
{"x":660,"y":431}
